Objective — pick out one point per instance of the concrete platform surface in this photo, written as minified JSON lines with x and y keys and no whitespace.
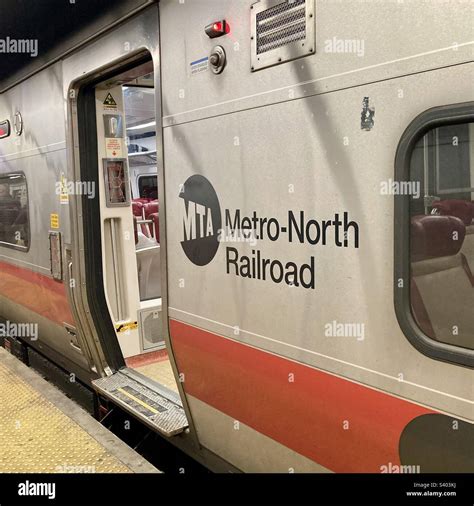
{"x":41,"y":430}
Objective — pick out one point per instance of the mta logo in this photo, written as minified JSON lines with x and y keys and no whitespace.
{"x":197,"y":221}
{"x":202,"y":220}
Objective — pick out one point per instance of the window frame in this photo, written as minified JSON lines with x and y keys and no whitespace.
{"x":424,"y":122}
{"x":3,"y":244}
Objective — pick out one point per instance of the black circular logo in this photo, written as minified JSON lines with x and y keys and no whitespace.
{"x":202,"y":220}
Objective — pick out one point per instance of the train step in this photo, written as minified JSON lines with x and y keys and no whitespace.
{"x":158,"y":407}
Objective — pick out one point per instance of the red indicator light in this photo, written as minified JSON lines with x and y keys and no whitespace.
{"x":217,"y":29}
{"x":4,"y":129}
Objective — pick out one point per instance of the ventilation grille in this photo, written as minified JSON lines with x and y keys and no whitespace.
{"x":150,"y":328}
{"x":280,"y":25}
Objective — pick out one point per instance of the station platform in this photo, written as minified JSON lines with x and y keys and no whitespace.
{"x":43,"y":431}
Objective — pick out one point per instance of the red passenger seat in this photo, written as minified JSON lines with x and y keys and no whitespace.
{"x":135,"y":229}
{"x":156,"y":226}
{"x":141,"y":200}
{"x":442,"y":295}
{"x":137,"y":209}
{"x":464,"y":210}
{"x":434,"y":236}
{"x":151,"y":208}
{"x":138,"y":212}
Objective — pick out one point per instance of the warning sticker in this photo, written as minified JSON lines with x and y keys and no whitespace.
{"x":114,"y":148}
{"x":110,"y":103}
{"x":54,"y":221}
{"x":64,"y":194}
{"x":109,"y":100}
{"x":199,"y":66}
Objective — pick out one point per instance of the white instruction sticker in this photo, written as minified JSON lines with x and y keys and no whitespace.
{"x":199,"y":66}
{"x":114,"y":148}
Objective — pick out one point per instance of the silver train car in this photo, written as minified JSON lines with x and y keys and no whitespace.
{"x":250,"y":224}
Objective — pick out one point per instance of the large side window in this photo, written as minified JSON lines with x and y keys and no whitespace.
{"x":434,"y":291}
{"x":14,"y":222}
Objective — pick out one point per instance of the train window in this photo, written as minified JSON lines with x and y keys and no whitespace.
{"x":14,"y":222}
{"x":148,"y":187}
{"x":435,"y":228}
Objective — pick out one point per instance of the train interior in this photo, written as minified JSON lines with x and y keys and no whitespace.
{"x":442,"y":234}
{"x":131,"y":232}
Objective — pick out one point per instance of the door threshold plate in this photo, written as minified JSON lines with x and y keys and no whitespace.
{"x":157,"y":411}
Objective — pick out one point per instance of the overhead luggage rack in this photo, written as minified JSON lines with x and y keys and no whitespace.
{"x":142,"y":158}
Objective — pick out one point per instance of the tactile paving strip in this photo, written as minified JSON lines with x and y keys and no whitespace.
{"x":36,"y":436}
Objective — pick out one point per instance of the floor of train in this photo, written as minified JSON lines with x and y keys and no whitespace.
{"x":156,"y":366}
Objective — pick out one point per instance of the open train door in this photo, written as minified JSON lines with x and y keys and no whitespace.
{"x":119,"y":235}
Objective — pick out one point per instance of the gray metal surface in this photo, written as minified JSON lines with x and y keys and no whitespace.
{"x":159,"y":412}
{"x":398,"y":38}
{"x":40,"y":153}
{"x":311,"y":155}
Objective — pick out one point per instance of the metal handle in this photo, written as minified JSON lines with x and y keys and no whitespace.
{"x":75,"y":346}
{"x":116,"y":269}
{"x":71,"y":287}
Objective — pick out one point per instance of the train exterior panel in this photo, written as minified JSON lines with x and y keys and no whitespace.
{"x":278,"y":240}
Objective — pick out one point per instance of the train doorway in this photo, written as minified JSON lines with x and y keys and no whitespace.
{"x":128,"y":247}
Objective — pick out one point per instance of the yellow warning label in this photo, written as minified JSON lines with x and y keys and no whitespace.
{"x":110,"y":101}
{"x":54,"y":220}
{"x":126,"y":327}
{"x":64,"y":194}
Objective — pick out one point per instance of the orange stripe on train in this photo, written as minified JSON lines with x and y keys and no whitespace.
{"x":307,"y":415}
{"x":35,"y":291}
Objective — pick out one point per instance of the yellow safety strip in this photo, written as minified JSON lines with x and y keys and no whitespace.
{"x":139,"y":401}
{"x":124,"y":327}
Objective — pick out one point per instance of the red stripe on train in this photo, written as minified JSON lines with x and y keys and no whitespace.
{"x":341,"y":425}
{"x":35,"y":291}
